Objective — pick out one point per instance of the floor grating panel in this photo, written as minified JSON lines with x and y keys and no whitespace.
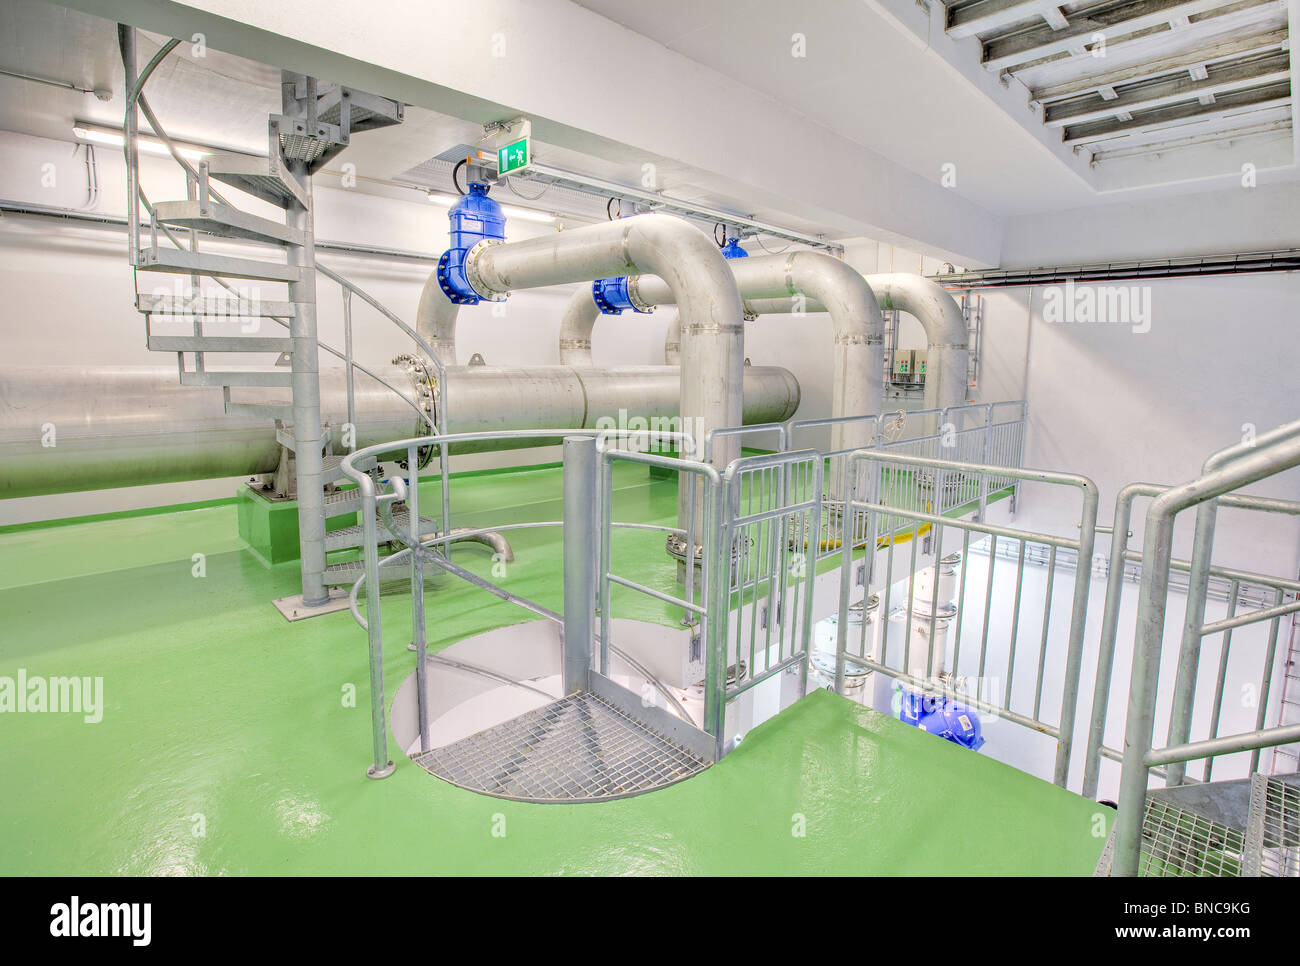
{"x":577,"y":749}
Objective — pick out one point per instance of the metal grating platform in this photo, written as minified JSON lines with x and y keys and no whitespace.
{"x":577,"y":749}
{"x":1179,"y":842}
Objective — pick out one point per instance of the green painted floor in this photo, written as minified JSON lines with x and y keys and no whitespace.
{"x":226,"y":746}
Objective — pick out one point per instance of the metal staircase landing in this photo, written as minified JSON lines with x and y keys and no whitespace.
{"x":1247,"y":827}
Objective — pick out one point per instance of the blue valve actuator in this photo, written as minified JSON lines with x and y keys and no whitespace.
{"x":474,"y":218}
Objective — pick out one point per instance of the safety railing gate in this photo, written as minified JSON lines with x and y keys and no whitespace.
{"x":1268,"y":454}
{"x":761,"y":580}
{"x":896,"y":499}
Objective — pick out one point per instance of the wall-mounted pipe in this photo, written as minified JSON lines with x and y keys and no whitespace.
{"x":812,"y":282}
{"x":70,"y":428}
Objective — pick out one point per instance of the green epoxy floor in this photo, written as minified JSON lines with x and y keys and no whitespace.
{"x":226,"y":748}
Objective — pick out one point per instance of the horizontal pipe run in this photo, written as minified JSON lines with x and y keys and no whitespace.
{"x":74,"y":428}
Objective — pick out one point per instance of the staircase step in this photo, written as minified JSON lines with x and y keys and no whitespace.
{"x":342,"y":501}
{"x":346,"y":537}
{"x":366,"y":112}
{"x":282,"y":411}
{"x":216,"y":343}
{"x":230,"y":222}
{"x":180,"y":262}
{"x":333,"y":467}
{"x":264,"y":178}
{"x":279,"y":380}
{"x":215,"y":306}
{"x":347,"y":573}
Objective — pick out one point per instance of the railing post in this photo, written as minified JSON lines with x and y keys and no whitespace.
{"x":1145,"y":677}
{"x":1189,"y":652}
{"x":579,"y":556}
{"x":417,"y":595}
{"x":986,"y":460}
{"x":382,"y":766}
{"x":1106,"y":646}
{"x":717,"y":550}
{"x":846,"y":571}
{"x":1078,"y":623}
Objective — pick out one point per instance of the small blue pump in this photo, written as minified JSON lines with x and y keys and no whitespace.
{"x":474,"y":218}
{"x":941,"y":716}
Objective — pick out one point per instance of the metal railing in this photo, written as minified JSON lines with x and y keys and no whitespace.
{"x":1255,"y":590}
{"x":1226,"y":471}
{"x":982,"y":433}
{"x":896,"y":494}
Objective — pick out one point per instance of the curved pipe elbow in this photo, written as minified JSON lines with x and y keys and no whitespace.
{"x":494,"y":541}
{"x":435,"y":320}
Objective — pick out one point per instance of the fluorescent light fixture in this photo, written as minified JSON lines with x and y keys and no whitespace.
{"x":146,"y":144}
{"x":510,"y":211}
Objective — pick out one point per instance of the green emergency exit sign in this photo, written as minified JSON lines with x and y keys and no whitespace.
{"x":513,"y":156}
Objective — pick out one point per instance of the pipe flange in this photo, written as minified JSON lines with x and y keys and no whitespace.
{"x":605,"y":305}
{"x":454,"y":297}
{"x":634,"y":296}
{"x":676,"y":547}
{"x":425,"y":383}
{"x":472,"y":275}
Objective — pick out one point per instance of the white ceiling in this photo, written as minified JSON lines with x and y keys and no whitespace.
{"x":861,"y":79}
{"x":865,"y":80}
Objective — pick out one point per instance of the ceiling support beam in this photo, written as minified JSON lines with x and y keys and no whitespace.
{"x":966,"y":19}
{"x":1023,"y":46}
{"x":1145,"y":95}
{"x":1261,"y":97}
{"x":1183,"y":60}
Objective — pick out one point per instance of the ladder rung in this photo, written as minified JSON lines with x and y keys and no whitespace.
{"x":223,"y":220}
{"x":218,"y":343}
{"x":281,"y":380}
{"x":216,"y":306}
{"x":181,"y":262}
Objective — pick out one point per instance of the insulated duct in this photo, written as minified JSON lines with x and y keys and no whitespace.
{"x":71,"y":428}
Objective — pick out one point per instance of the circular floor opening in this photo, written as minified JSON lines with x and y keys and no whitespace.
{"x":500,"y":726}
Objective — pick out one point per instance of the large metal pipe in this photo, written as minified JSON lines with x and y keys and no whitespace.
{"x":938,"y":312}
{"x":435,"y":320}
{"x":694,"y":270}
{"x":811,"y":281}
{"x":71,"y":428}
